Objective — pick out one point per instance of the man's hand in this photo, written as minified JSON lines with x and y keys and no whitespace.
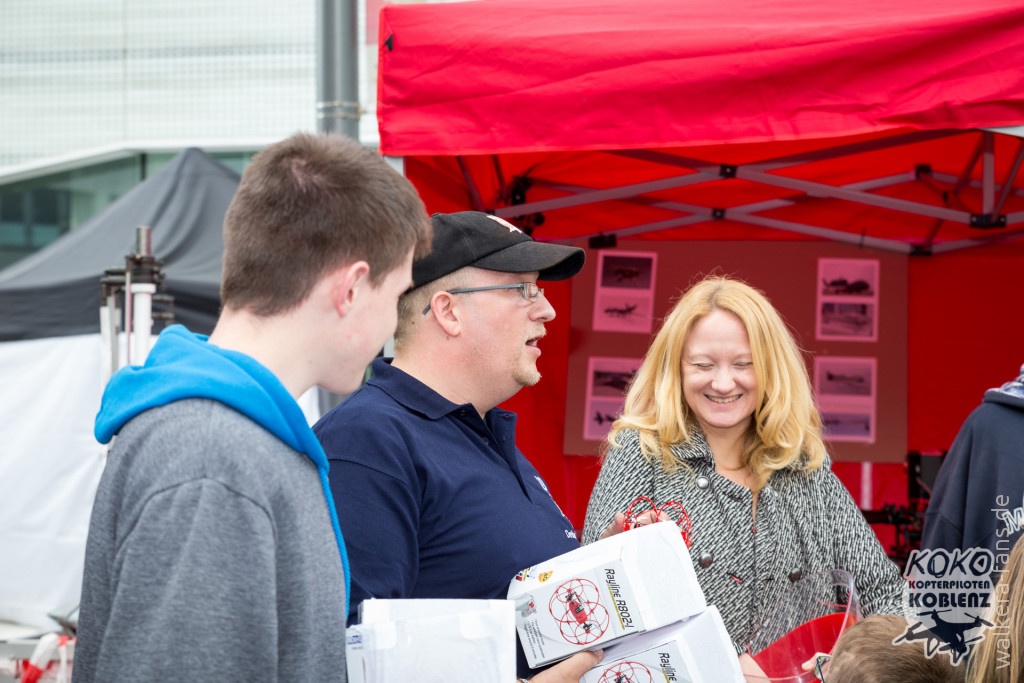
{"x":570,"y":670}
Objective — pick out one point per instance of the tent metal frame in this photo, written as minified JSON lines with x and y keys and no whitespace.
{"x":994,"y":193}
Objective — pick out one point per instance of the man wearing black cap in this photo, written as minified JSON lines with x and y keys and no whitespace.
{"x":434,"y":498}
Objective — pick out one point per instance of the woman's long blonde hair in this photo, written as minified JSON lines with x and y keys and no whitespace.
{"x":999,"y":657}
{"x":786,"y":426}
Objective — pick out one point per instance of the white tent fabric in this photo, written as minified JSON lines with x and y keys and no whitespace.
{"x":49,"y":468}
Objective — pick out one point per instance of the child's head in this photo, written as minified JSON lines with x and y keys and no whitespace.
{"x":864,"y":653}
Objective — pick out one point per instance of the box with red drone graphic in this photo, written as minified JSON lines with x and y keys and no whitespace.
{"x":625,"y":584}
{"x":697,"y":650}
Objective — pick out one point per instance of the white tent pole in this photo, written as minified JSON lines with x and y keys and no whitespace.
{"x":129,"y":318}
{"x":142,"y":320}
{"x":139,"y":296}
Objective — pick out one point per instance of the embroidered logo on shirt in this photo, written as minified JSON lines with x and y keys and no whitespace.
{"x":569,"y":533}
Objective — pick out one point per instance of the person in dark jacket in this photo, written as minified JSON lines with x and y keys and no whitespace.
{"x":978,"y":498}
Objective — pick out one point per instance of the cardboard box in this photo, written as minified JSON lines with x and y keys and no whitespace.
{"x":625,"y":584}
{"x":697,"y":650}
{"x":451,"y":640}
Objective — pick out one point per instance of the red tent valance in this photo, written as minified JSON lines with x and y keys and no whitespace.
{"x":521,"y":75}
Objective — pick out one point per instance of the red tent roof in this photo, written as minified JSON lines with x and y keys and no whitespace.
{"x":522,"y":75}
{"x":852,"y":121}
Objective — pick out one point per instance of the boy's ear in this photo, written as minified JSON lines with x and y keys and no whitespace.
{"x":347,"y":283}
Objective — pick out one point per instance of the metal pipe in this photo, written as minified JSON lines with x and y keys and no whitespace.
{"x":337,"y":77}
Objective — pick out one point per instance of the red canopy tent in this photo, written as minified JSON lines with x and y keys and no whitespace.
{"x":873,"y":123}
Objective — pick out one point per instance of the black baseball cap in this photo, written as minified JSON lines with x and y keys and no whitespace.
{"x":473,"y":238}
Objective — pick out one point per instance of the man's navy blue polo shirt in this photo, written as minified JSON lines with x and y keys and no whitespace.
{"x":433,"y":501}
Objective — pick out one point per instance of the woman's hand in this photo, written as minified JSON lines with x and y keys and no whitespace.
{"x":643,"y":519}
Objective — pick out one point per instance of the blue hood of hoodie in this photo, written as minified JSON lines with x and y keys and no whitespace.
{"x":183,"y":365}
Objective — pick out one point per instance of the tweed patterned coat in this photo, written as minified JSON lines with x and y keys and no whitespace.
{"x":806,"y":523}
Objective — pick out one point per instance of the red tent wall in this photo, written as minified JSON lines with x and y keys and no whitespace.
{"x":965,"y":336}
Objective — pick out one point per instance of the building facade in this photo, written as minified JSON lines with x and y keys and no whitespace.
{"x":96,"y":94}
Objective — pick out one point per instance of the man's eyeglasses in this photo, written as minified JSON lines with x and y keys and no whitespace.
{"x":528,"y":290}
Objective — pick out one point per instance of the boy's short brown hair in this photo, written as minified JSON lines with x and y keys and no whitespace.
{"x":307,"y":205}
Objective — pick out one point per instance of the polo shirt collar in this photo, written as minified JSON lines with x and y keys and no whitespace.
{"x":410,"y":392}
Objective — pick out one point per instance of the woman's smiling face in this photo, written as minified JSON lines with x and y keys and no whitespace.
{"x":719,"y":382}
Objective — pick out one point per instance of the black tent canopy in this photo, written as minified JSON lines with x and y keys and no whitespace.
{"x":56,"y":291}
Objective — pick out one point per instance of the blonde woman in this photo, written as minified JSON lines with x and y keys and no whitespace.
{"x":999,"y":657}
{"x":720,"y":417}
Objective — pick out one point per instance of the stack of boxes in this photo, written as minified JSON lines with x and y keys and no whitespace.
{"x":633,"y":594}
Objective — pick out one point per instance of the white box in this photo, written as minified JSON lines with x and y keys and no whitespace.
{"x":697,"y":650}
{"x":628,"y":583}
{"x":427,"y":640}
